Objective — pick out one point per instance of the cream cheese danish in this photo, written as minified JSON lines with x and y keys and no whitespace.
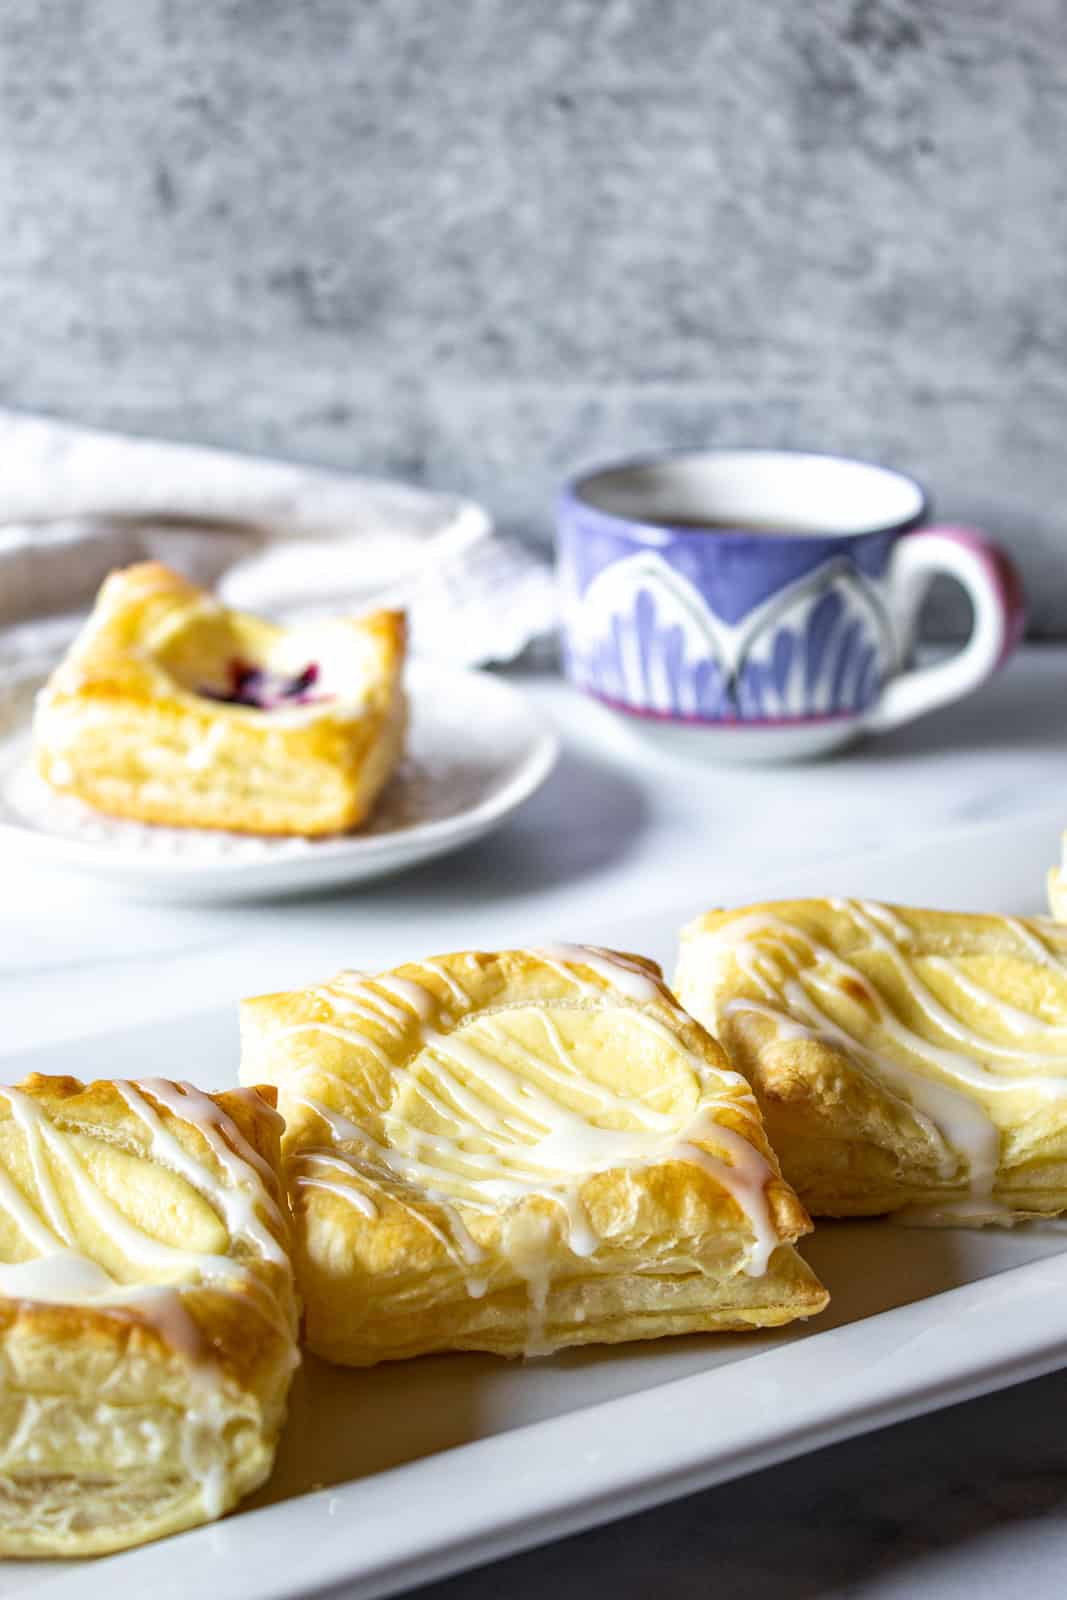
{"x":906,"y":1061}
{"x":170,"y":709}
{"x":147,"y":1309}
{"x":519,"y":1151}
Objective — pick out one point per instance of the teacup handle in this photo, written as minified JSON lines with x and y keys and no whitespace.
{"x":992,"y":581}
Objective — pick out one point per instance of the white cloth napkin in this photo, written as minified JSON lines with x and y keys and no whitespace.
{"x":287,"y":541}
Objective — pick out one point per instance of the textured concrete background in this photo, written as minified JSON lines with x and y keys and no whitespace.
{"x":482,"y":244}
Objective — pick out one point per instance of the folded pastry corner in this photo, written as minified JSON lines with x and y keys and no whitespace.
{"x":906,"y":1061}
{"x":520,"y":1151}
{"x":168,"y":708}
{"x":147,"y":1310}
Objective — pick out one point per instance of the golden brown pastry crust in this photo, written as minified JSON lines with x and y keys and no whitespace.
{"x":503,"y":1152}
{"x":154,"y":1403}
{"x":905,"y":1060}
{"x":121,"y":724}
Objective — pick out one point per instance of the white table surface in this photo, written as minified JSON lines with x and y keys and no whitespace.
{"x":971,"y":1502}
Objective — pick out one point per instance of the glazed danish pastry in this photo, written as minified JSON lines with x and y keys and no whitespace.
{"x":147,"y":1314}
{"x":170,"y":709}
{"x":905,"y":1060}
{"x":516,"y":1152}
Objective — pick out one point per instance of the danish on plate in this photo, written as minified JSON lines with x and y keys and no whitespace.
{"x":905,"y":1060}
{"x":520,"y":1151}
{"x":147,"y":1314}
{"x":170,"y":709}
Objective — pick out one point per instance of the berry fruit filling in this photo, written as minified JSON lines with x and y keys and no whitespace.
{"x":267,"y":691}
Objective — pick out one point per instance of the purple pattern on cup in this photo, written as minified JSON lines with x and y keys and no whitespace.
{"x":710,"y":684}
{"x":645,"y":626}
{"x":782,"y":659}
{"x":825,"y":615}
{"x":827,"y":663}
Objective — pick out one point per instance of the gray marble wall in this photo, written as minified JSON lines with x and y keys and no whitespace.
{"x":483,"y":242}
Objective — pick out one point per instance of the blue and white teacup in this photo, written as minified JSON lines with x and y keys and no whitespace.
{"x":768,"y":600}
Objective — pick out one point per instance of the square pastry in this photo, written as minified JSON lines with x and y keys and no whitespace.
{"x":520,"y":1151}
{"x":168,"y":708}
{"x":905,"y":1060}
{"x":147,"y":1312}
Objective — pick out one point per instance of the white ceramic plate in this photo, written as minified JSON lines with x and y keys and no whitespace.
{"x":391,"y":1477}
{"x":476,"y":750}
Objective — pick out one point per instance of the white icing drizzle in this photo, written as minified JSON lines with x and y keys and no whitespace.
{"x":240,"y":1200}
{"x":941,"y":1082}
{"x":24,"y":1112}
{"x":504,"y":1137}
{"x":980,"y":1044}
{"x":456,"y":990}
{"x":377,"y":1007}
{"x":1016,"y":1021}
{"x":36,"y":1232}
{"x":365,"y":1009}
{"x":879,"y":913}
{"x":335,"y":1032}
{"x":63,"y":1277}
{"x":420,"y":1000}
{"x":367,"y":1161}
{"x":1027,"y":933}
{"x":615,"y":970}
{"x":58,"y":1273}
{"x":955,"y":1125}
{"x":345,"y":1191}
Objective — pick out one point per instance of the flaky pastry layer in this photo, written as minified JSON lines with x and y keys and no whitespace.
{"x":139,"y":720}
{"x":905,"y":1060}
{"x":147,"y":1311}
{"x":519,"y":1151}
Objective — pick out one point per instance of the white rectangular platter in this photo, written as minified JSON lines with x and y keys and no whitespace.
{"x":391,"y":1477}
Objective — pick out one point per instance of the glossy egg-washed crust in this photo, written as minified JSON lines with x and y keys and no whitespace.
{"x":119,"y":726}
{"x":849,"y":1140}
{"x":672,"y":1242}
{"x":94,"y":1402}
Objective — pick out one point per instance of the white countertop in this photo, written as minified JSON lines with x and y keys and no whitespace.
{"x":934,"y":1508}
{"x":618,"y":828}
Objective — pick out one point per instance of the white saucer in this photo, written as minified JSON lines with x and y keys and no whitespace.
{"x":476,"y":751}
